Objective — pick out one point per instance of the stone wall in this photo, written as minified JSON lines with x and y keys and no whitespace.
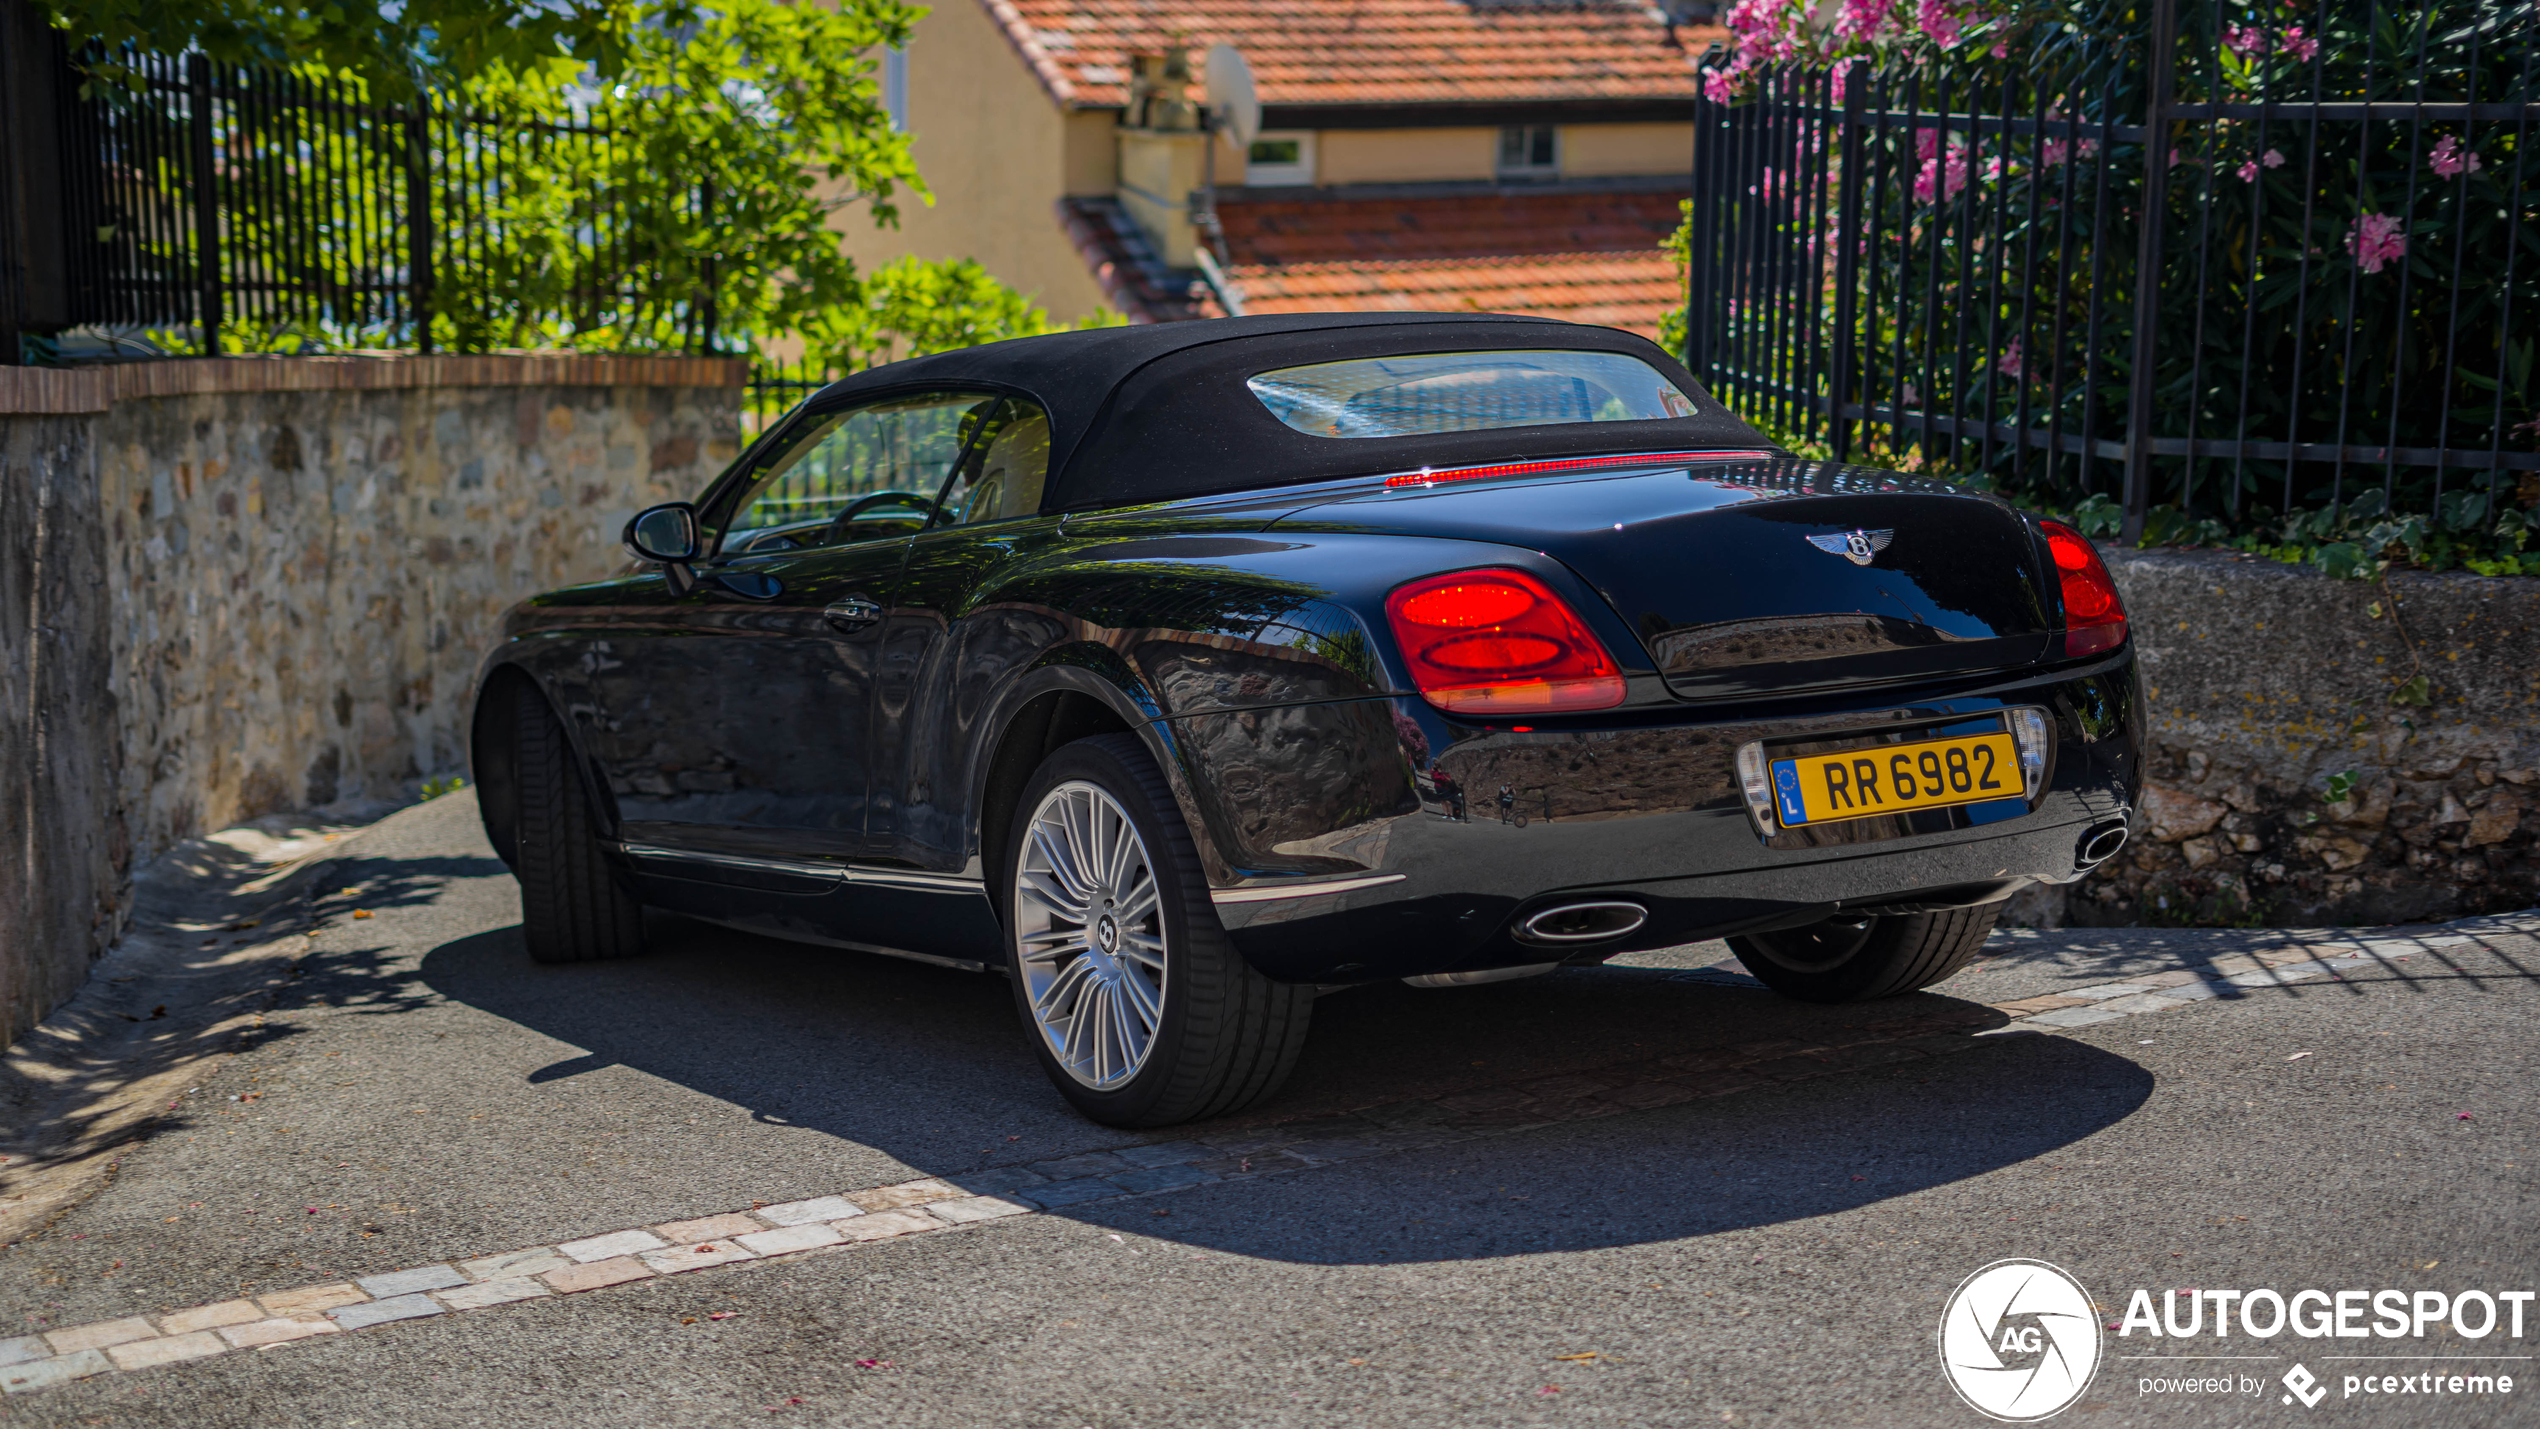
{"x":2268,"y":681}
{"x":266,"y":584}
{"x":62,"y":855}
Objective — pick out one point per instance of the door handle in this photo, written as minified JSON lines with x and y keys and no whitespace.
{"x":851,"y":614}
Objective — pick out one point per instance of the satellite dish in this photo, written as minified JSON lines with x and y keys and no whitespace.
{"x":1232,"y":99}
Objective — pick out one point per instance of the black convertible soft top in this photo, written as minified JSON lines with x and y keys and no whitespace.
{"x":1157,"y":412}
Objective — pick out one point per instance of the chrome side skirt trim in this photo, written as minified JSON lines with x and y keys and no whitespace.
{"x":913,"y":880}
{"x":916,"y":880}
{"x":967,"y":965}
{"x":1315,"y":888}
{"x":745,"y":863}
{"x":1476,"y":979}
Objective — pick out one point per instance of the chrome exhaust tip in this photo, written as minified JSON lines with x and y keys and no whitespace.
{"x":2099,"y":843}
{"x":1569,"y":924}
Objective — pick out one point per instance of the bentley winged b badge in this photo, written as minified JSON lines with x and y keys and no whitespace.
{"x":1854,"y":546}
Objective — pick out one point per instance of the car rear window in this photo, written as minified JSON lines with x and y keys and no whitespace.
{"x":1427,"y":393}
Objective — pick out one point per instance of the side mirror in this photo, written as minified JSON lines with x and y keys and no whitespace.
{"x":666,"y":535}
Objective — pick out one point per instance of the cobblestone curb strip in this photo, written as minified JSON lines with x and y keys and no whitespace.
{"x":827,"y":1224}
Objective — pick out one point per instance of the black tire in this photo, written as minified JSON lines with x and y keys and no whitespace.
{"x":574,"y":906}
{"x":1227,"y":1036}
{"x":1858,"y":959}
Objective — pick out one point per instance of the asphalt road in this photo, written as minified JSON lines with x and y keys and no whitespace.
{"x":1781,"y":1255}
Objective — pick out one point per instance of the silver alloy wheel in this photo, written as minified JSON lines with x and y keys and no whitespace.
{"x":1091,"y":932}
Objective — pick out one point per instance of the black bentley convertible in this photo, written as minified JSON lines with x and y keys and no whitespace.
{"x":1183,"y":672}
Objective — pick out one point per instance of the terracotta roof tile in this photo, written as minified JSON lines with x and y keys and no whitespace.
{"x":1374,"y":51}
{"x":1608,"y":289}
{"x":1587,"y":257}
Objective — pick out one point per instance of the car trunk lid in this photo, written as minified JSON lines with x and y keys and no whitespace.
{"x":1762,"y":578}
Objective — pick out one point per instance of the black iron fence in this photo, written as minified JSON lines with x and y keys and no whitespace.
{"x":1943,"y":265}
{"x":251,"y":209}
{"x":778,"y":387}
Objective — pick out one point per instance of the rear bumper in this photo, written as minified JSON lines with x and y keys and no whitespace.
{"x":1406,"y":844}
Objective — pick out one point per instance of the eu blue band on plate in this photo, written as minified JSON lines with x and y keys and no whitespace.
{"x":1786,"y":785}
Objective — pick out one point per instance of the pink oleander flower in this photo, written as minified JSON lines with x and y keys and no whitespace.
{"x":2451,"y":160}
{"x":2250,"y":40}
{"x":2011,"y":363}
{"x":1862,"y":18}
{"x":2376,"y":240}
{"x":1926,"y":144}
{"x":1720,"y":85}
{"x":1941,"y":178}
{"x":2272,"y":159}
{"x":2052,"y":153}
{"x":1939,"y":23}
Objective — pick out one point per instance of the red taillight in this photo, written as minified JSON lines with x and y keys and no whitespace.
{"x":1499,"y":642}
{"x":2094,"y":618}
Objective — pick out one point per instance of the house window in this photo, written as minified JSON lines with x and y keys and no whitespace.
{"x":895,"y":88}
{"x":1280,"y":158}
{"x":1529,"y":151}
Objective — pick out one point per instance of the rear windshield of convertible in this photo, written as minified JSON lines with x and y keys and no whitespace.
{"x":1429,"y":393}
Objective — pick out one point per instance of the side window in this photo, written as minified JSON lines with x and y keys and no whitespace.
{"x":1002,"y":477}
{"x":906,"y":445}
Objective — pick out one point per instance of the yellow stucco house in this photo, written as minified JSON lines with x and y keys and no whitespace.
{"x":1413,"y":154}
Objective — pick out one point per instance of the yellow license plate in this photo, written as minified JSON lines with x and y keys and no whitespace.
{"x":1888,"y":779}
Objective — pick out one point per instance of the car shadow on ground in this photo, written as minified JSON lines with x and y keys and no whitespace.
{"x":930,"y":1066}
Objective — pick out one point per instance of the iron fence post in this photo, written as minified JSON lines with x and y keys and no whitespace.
{"x":705,"y":211}
{"x":1695,"y":356}
{"x":1847,"y":273}
{"x":2160,"y":69}
{"x":419,"y":219}
{"x":198,"y":75}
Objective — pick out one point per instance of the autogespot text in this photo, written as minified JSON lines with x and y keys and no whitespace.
{"x":2476,"y":1330}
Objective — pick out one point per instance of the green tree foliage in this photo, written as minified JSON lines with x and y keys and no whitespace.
{"x":650,"y":176}
{"x":695,"y":193}
{"x":392,"y":45}
{"x":910,"y":307}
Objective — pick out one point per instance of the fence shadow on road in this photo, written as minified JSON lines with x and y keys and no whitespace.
{"x":930,"y":1066}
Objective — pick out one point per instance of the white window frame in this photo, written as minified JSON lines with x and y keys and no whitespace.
{"x":1508,"y":170}
{"x":895,"y":87}
{"x":1297,"y":175}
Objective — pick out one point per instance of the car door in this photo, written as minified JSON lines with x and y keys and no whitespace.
{"x":738,"y":727}
{"x":938,"y":659}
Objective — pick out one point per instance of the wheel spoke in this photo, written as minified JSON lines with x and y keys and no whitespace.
{"x":1076,"y":828}
{"x":1143,"y":948}
{"x":1135,"y":907}
{"x":1044,"y":889}
{"x":1105,"y":1039}
{"x":1144,"y":1000}
{"x":1056,"y":951}
{"x":1116,"y":1003}
{"x":1080,"y":1033}
{"x":1119,"y":855}
{"x":1056,"y":1000}
{"x":1063,"y":868}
